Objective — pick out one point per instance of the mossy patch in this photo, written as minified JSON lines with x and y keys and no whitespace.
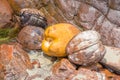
{"x":7,"y":34}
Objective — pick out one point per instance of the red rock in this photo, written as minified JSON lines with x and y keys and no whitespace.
{"x":99,"y":68}
{"x":87,"y":16}
{"x":115,"y":37}
{"x":50,"y":19}
{"x":101,"y":5}
{"x":6,"y":53}
{"x":109,"y":32}
{"x":95,"y":67}
{"x":5,"y":13}
{"x":86,"y":74}
{"x":105,"y":28}
{"x":83,"y":13}
{"x":62,"y":70}
{"x":114,"y":16}
{"x":69,"y":7}
{"x":13,"y":62}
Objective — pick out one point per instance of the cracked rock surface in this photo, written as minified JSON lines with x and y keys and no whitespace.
{"x":100,"y":15}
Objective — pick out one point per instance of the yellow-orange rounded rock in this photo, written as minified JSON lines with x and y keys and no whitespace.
{"x":56,"y":38}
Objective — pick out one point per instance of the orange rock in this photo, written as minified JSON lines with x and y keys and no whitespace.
{"x":13,"y":62}
{"x":6,"y":53}
{"x":56,"y":38}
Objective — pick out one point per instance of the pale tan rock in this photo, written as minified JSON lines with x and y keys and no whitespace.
{"x":112,"y":59}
